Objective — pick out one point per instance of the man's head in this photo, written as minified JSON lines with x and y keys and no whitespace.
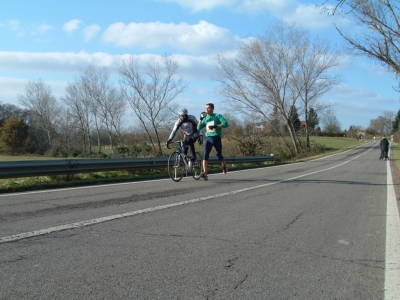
{"x":183,"y":113}
{"x":209,"y":108}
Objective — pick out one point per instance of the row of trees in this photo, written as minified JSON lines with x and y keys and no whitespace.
{"x":275,"y":73}
{"x":94,"y":106}
{"x":271,"y":79}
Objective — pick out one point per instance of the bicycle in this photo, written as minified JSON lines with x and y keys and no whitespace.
{"x":180,"y":165}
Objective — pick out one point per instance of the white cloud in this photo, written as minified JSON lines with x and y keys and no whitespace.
{"x":261,"y":6}
{"x":365,"y":97}
{"x":375,"y":69}
{"x":70,"y":63}
{"x":240,"y":6}
{"x":308,"y":16}
{"x":197,"y":5}
{"x":291,"y":11}
{"x":201,"y":37}
{"x":72,"y":25}
{"x":53,"y":62}
{"x":91,"y":31}
{"x":41,"y":29}
{"x":59,"y":68}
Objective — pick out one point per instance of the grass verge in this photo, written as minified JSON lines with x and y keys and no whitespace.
{"x":395,"y":157}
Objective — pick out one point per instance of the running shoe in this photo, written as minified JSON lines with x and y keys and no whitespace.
{"x":224,"y":169}
{"x":204,"y":176}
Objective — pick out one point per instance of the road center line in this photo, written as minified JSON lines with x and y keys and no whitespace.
{"x":20,"y":236}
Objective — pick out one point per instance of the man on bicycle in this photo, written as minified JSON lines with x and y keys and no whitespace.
{"x":188,"y":125}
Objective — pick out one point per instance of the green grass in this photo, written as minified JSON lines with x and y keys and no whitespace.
{"x":20,"y":158}
{"x":395,"y":156}
{"x":336,"y":144}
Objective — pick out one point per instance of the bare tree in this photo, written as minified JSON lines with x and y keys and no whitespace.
{"x":331,"y":122}
{"x":112,"y":108}
{"x":311,"y":80}
{"x":38,"y":98}
{"x":106,"y":103}
{"x":384,"y":123}
{"x":66,"y":129}
{"x":77,"y":98}
{"x":95,"y":103}
{"x":151,"y":89}
{"x":270,"y":74}
{"x":379,"y":22}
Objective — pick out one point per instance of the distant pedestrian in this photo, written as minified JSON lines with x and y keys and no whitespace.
{"x":214,"y":124}
{"x":384,"y":144}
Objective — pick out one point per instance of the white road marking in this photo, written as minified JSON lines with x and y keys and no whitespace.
{"x":16,"y":237}
{"x":392,"y":260}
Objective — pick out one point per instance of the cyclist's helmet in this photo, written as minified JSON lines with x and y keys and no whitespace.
{"x":183,"y":112}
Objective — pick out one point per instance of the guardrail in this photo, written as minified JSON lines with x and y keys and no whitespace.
{"x":15,"y":169}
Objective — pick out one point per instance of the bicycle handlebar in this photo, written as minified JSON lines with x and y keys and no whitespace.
{"x":167,"y":144}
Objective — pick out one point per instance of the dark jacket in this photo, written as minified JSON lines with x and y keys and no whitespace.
{"x":384,"y":144}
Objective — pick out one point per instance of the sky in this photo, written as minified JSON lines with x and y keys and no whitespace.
{"x":55,"y":40}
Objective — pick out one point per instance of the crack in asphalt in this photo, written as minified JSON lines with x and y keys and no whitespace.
{"x":13,"y":260}
{"x":291,"y":223}
{"x":241,"y":282}
{"x":231,"y":262}
{"x":362,"y":262}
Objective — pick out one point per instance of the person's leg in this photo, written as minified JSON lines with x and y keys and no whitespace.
{"x":218,"y":148}
{"x":192,"y":141}
{"x":186,"y":143}
{"x":207,"y":149}
{"x":205,"y":166}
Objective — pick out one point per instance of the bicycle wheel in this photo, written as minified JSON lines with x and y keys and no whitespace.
{"x":176,"y":166}
{"x":197,"y":166}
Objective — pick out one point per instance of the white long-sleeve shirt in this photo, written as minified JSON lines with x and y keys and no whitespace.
{"x":188,"y":127}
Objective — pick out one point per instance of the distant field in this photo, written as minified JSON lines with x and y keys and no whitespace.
{"x":336,"y":143}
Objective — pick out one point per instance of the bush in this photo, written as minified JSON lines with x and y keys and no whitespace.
{"x":123,"y":151}
{"x":58,"y":152}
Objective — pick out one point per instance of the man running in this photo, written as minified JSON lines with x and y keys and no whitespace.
{"x":213,"y":123}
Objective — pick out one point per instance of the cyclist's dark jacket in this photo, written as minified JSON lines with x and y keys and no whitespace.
{"x":189,"y":127}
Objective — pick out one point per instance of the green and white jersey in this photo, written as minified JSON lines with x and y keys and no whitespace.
{"x":213,"y":120}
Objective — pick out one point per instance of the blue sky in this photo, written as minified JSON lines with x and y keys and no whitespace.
{"x":53,"y":40}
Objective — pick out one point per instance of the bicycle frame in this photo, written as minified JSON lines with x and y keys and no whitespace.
{"x":179,"y":166}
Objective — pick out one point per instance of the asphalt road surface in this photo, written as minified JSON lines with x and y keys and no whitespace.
{"x":323,"y":229}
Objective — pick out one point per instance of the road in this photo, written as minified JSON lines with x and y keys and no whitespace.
{"x":322,"y":229}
